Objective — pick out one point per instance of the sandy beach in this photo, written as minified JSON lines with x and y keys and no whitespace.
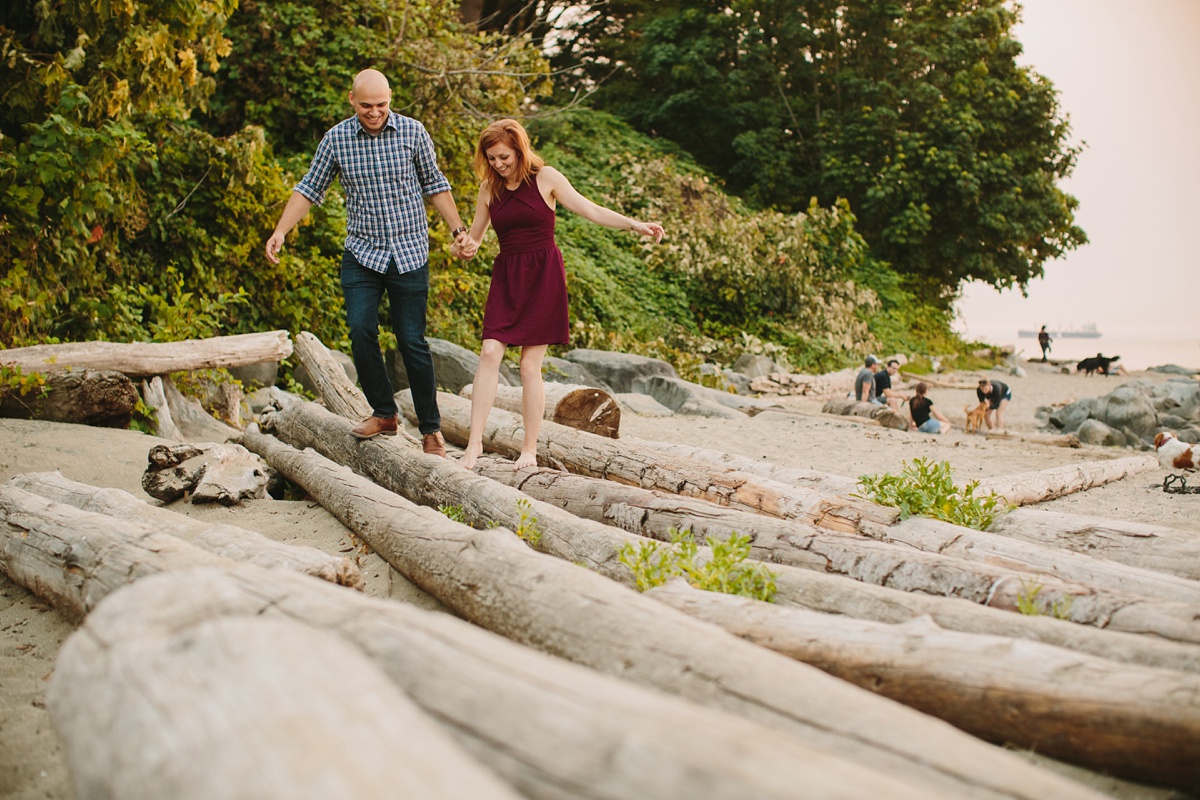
{"x":31,"y":759}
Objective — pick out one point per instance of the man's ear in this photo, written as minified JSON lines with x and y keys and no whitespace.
{"x":350,"y":97}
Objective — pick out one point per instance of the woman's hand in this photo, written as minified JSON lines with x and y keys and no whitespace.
{"x":647,"y":229}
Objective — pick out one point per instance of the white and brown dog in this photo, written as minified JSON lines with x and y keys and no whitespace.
{"x":1174,"y":454}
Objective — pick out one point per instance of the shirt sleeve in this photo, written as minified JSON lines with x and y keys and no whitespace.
{"x":321,"y":172}
{"x":431,"y":178}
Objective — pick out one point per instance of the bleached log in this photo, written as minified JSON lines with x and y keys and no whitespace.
{"x":103,"y":398}
{"x":848,"y":407}
{"x":144,"y":359}
{"x":334,"y":387}
{"x":154,"y":395}
{"x":936,"y":558}
{"x":497,"y":582}
{"x":156,"y":699}
{"x":230,"y":541}
{"x":1138,"y":723}
{"x":196,"y":424}
{"x":210,"y":473}
{"x":626,"y":462}
{"x":584,"y":408}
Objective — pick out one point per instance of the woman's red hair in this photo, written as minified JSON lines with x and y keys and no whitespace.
{"x":512,"y":133}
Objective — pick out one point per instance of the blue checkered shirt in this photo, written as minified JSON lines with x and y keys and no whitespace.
{"x":386,"y":178}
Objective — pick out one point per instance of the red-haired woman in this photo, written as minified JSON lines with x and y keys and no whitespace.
{"x":527,"y":300}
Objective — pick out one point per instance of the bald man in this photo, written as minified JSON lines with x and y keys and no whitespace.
{"x":388,"y":169}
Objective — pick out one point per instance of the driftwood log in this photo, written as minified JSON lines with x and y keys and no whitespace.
{"x":155,"y":396}
{"x":1134,"y":722}
{"x":153,"y":699}
{"x":207,"y":473}
{"x":514,"y":708}
{"x":560,"y":446}
{"x":99,"y":397}
{"x":143,"y":360}
{"x":333,"y":386}
{"x":937,"y":558}
{"x":583,"y":408}
{"x":230,"y":541}
{"x":849,"y":407}
{"x":196,"y":424}
{"x":494,"y":580}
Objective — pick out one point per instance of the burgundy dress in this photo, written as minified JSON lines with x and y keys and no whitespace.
{"x":527,"y":301}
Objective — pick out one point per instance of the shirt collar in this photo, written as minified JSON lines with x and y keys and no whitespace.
{"x":391,"y":122}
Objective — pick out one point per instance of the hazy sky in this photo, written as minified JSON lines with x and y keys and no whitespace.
{"x":1128,"y":75}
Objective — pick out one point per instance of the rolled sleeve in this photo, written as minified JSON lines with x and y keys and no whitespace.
{"x":320,"y":173}
{"x":431,"y":178}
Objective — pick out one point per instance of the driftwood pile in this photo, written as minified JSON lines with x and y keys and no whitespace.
{"x":222,"y":662}
{"x":792,"y":383}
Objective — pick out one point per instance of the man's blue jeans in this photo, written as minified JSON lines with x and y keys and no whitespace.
{"x":408,"y":294}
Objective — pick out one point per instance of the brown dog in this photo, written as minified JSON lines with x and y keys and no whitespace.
{"x":975,"y":416}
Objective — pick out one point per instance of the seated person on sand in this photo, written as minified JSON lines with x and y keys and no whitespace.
{"x":923,"y":416}
{"x":864,"y":383}
{"x":884,"y":393}
{"x":997,"y":395}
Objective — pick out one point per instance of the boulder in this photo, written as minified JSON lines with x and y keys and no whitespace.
{"x":1172,"y":369}
{"x":683,"y":397}
{"x":560,"y":370}
{"x":739,"y":382}
{"x":1093,"y":431}
{"x":619,"y":370}
{"x":1068,"y":418}
{"x":1128,"y":408}
{"x":756,"y":366}
{"x":643,"y":405}
{"x":453,"y":365}
{"x":255,"y":376}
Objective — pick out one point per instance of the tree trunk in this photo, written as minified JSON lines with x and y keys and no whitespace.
{"x":334,"y":388}
{"x":241,"y":707}
{"x":155,"y":396}
{"x":936,"y":558}
{"x":142,"y":359}
{"x":209,"y":473}
{"x":626,"y":462}
{"x":848,"y":407}
{"x":1138,"y":723}
{"x":583,"y":408}
{"x":102,"y":398}
{"x":516,"y":709}
{"x":232,"y":542}
{"x":1168,"y":550}
{"x":196,"y":424}
{"x":492,"y":579}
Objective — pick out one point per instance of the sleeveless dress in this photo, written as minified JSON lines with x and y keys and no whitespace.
{"x":527,"y":300}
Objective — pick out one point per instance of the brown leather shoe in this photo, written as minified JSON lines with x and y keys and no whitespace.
{"x":374,"y":426}
{"x":434,"y":444}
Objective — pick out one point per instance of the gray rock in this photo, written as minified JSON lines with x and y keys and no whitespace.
{"x":755,"y":366}
{"x":1017,"y":371}
{"x":1171,"y":422}
{"x":619,"y":370}
{"x":300,"y":373}
{"x":685,"y":397}
{"x":1068,"y":418}
{"x":1093,"y":431}
{"x":453,"y":365}
{"x":560,"y":370}
{"x":1189,"y":434}
{"x":739,"y":382}
{"x":1172,"y":369}
{"x":254,"y":376}
{"x":1128,"y":408}
{"x":643,"y":405}
{"x":1183,"y":392}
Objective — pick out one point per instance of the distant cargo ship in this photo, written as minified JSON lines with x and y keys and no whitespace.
{"x":1088,"y":331}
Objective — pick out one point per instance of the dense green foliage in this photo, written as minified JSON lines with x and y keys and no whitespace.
{"x":926,"y":489}
{"x":725,"y":568}
{"x":915,"y":111}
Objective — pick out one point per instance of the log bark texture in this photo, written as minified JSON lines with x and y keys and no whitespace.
{"x":142,"y":360}
{"x":495,"y":581}
{"x":584,"y":408}
{"x":1027,"y":488}
{"x":1137,"y":723}
{"x":229,"y":541}
{"x":98,"y":397}
{"x":566,"y":448}
{"x":196,"y":424}
{"x":153,"y":700}
{"x":334,"y":388}
{"x":848,"y":407}
{"x":155,"y":396}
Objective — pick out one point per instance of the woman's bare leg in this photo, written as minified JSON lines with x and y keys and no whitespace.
{"x":533,"y":402}
{"x":483,"y":395}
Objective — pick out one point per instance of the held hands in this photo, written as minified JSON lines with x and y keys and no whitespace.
{"x":464,"y":246}
{"x":647,"y":229}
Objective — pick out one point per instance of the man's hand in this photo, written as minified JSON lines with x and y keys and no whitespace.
{"x":274,"y":245}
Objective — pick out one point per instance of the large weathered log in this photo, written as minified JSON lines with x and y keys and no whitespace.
{"x":848,"y":407}
{"x":584,"y":408}
{"x":210,"y":473}
{"x":498,"y":583}
{"x":155,"y":396}
{"x":1027,"y":488}
{"x":938,"y":558}
{"x":153,"y":699}
{"x":514,"y":708}
{"x":103,"y":398}
{"x":626,"y":462}
{"x":230,"y":541}
{"x":334,"y":388}
{"x":1134,"y":722}
{"x":142,"y":359}
{"x":196,"y":424}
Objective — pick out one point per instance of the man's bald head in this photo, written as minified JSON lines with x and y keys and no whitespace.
{"x":370,"y":96}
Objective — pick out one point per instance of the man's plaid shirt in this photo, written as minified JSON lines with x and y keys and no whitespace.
{"x":385,"y":178}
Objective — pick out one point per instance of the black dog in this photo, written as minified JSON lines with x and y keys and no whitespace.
{"x":1096,"y":363}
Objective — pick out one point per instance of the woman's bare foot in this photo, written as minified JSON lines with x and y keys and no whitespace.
{"x":469,"y":455}
{"x":526,"y":460}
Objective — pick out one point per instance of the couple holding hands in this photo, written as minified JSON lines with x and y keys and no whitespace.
{"x":388,"y":168}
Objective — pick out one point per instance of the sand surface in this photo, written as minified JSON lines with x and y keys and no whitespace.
{"x":31,"y":760}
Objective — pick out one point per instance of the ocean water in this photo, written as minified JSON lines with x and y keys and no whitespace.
{"x":1137,"y":353}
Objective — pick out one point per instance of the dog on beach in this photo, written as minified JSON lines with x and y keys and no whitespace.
{"x":1096,"y":363}
{"x":1174,"y":454}
{"x":975,"y":416}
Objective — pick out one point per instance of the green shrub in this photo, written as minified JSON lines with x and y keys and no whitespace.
{"x":727,"y":571}
{"x":927,"y":489}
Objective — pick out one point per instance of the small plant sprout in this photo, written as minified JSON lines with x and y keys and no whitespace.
{"x":455,"y":513}
{"x":1027,"y":602}
{"x":655,"y":563}
{"x":527,"y":528}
